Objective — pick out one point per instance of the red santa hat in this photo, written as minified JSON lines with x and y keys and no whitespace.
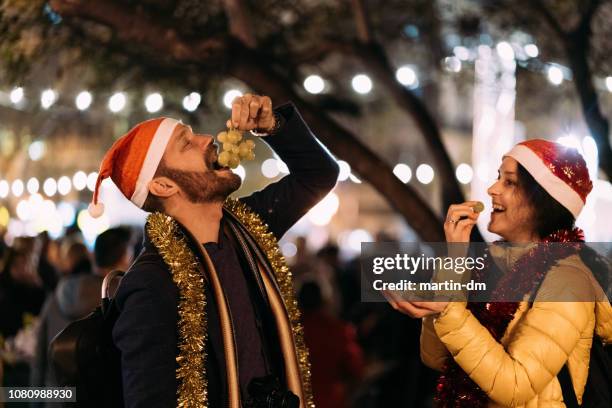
{"x":560,"y":170}
{"x":132,"y":160}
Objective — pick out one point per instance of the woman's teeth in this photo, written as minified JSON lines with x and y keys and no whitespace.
{"x":498,"y":208}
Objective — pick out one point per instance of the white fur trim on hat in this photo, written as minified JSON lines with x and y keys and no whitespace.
{"x":557,"y":188}
{"x":154,"y":156}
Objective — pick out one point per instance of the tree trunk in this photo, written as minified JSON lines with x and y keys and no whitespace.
{"x":577,"y":49}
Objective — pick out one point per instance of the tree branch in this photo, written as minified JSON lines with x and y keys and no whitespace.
{"x":249,"y":66}
{"x":362,"y":23}
{"x":321,"y":50}
{"x":240,"y":27}
{"x":538,"y":6}
{"x":587,"y":15}
{"x":132,"y":25}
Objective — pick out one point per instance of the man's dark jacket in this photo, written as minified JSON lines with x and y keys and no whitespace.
{"x":146,"y":330}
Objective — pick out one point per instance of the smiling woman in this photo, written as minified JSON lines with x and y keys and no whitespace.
{"x":511,"y":353}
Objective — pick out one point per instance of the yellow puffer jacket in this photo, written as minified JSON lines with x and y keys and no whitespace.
{"x":521,"y":371}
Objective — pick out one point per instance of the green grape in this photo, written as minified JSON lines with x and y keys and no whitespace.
{"x":224,"y":158}
{"x":244,"y":150}
{"x":234,"y":148}
{"x":234,"y":136}
{"x":234,"y":161}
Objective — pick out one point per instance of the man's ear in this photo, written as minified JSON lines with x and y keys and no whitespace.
{"x":163,"y":187}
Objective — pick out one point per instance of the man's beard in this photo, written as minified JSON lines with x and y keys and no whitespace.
{"x":205,"y":186}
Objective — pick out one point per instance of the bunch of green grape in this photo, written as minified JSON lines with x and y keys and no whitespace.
{"x":234,"y":148}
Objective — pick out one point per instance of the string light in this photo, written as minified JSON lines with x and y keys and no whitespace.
{"x":154,"y":102}
{"x":403,"y":172}
{"x":117,"y":102}
{"x":17,"y":188}
{"x":461,"y":52}
{"x":36,"y":150}
{"x":269,"y":168}
{"x":406,"y":76}
{"x":229,"y":97}
{"x":555,"y":75}
{"x":314,"y":84}
{"x":505,"y":50}
{"x":79,"y":180}
{"x":531,"y":50}
{"x":362,"y":84}
{"x":322,"y":213}
{"x":48,"y":98}
{"x":50,"y":187}
{"x":425,"y":173}
{"x":16,"y":95}
{"x":4,"y":188}
{"x":464,"y":173}
{"x":452,"y":64}
{"x":192,"y":101}
{"x":83,"y":100}
{"x":33,"y":185}
{"x":63,"y":185}
{"x":91,"y":181}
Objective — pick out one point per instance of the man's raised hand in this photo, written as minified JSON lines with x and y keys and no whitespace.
{"x":252,"y":112}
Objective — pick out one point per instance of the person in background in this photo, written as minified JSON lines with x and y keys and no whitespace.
{"x":113,"y":250}
{"x":75,"y":258}
{"x":335,"y":355}
{"x":46,"y":269}
{"x":78,"y":293}
{"x":21,"y":297}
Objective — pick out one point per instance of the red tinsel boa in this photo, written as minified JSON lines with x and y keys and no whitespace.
{"x":455,"y":389}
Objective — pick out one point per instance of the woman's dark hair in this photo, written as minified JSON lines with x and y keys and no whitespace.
{"x":551,"y":216}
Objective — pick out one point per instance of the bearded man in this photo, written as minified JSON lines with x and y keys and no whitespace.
{"x":207,"y":314}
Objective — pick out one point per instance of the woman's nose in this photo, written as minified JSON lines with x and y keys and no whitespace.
{"x":492,"y":190}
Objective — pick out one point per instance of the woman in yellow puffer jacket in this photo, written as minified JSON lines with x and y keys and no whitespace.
{"x":509,"y":354}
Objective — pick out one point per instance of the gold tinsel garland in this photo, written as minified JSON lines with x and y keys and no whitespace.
{"x":268,"y":243}
{"x":171,"y":244}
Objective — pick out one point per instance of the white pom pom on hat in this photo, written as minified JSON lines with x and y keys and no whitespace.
{"x":95,"y":210}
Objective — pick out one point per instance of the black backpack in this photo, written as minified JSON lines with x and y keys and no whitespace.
{"x":598,"y":389}
{"x":83,"y":354}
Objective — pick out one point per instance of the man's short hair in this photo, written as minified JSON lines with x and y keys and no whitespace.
{"x":111,"y":246}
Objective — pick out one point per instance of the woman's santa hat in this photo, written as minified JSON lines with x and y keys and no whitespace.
{"x":560,"y":170}
{"x":132,"y":160}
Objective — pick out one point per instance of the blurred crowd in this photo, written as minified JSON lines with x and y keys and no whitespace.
{"x":362,"y":354}
{"x":44,"y":285}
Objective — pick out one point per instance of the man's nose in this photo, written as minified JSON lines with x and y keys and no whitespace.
{"x":204,"y":141}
